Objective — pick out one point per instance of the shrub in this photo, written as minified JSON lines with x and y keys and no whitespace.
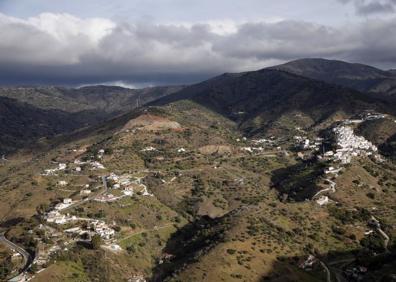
{"x":96,"y":241}
{"x":231,"y":251}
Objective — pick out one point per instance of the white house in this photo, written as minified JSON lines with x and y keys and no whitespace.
{"x":67,"y":201}
{"x":62,"y":166}
{"x":323,"y":200}
{"x":62,"y":183}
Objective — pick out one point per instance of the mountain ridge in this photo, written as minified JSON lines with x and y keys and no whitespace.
{"x":266,"y":94}
{"x":358,"y":76}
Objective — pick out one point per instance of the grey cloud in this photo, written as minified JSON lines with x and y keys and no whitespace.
{"x":368,"y":7}
{"x":59,"y":49}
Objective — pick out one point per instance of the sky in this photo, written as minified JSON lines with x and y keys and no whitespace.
{"x":137,"y":43}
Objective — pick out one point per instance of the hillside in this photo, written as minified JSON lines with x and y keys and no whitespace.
{"x":269,"y":99}
{"x":226,"y":180}
{"x":31,"y":113}
{"x":357,"y":76}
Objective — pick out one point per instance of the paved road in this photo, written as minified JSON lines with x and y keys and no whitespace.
{"x":386,"y":238}
{"x":383,"y":234}
{"x":27,"y":258}
{"x":328,"y":274}
{"x":332,"y":188}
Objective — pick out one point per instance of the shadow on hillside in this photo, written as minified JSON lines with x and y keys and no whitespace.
{"x":357,"y":265}
{"x":298,"y":182}
{"x":190,"y":242}
{"x":388,"y":148}
{"x":11,"y":222}
{"x":368,"y":264}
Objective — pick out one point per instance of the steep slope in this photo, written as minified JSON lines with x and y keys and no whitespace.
{"x":357,"y":76}
{"x":269,"y":99}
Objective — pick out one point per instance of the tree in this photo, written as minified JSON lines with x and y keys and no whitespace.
{"x":5,"y":269}
{"x":96,"y":241}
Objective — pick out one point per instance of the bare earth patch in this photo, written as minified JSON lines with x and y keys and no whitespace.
{"x":151,"y":122}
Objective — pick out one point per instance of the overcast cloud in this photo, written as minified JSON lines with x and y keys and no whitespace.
{"x":60,"y":48}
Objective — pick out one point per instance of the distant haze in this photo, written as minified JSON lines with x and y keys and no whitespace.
{"x":139,"y":43}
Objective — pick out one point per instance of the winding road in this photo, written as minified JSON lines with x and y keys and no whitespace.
{"x":328,"y":274}
{"x":27,"y":258}
{"x":382,"y":232}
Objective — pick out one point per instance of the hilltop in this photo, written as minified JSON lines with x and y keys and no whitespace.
{"x":357,"y":76}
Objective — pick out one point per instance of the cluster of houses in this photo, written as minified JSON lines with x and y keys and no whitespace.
{"x":55,"y":216}
{"x":349,"y":145}
{"x":98,"y":226}
{"x":53,"y":171}
{"x":94,"y":164}
{"x":79,"y":228}
{"x":264,"y":141}
{"x":128,"y":184}
{"x":259,"y":145}
{"x":305,"y":143}
{"x":95,"y":226}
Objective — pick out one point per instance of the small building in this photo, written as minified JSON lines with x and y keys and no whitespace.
{"x":62,"y":166}
{"x":67,"y":201}
{"x":323,"y":200}
{"x":329,"y":154}
{"x":62,"y":183}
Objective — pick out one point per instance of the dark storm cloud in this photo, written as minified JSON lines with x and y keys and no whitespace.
{"x":62,"y":49}
{"x":368,"y":7}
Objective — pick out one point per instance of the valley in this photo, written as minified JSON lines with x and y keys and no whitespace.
{"x":258,"y":176}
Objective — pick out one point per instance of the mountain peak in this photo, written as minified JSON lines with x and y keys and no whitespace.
{"x":357,"y":76}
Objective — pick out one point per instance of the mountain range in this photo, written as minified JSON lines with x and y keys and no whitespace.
{"x":287,"y":173}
